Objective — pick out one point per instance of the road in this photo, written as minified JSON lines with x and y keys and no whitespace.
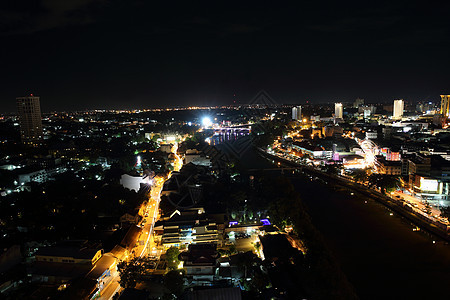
{"x":420,"y":207}
{"x":145,"y":243}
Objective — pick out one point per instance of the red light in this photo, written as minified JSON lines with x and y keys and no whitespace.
{"x":31,"y":95}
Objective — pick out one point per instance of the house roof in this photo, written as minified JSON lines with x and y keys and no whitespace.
{"x":75,"y":249}
{"x":103,"y":264}
{"x":200,"y":254}
{"x":131,"y":237}
{"x":60,"y":269}
{"x":118,"y":252}
{"x":231,"y":293}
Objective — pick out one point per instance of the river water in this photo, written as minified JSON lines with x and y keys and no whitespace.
{"x":381,"y":253}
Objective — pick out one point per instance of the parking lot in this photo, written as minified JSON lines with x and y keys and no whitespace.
{"x":243,"y":238}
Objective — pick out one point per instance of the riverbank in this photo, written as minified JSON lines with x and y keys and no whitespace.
{"x":401,"y":209}
{"x":382,"y":253}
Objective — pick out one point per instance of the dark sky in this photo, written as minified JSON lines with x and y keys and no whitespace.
{"x":85,"y":54}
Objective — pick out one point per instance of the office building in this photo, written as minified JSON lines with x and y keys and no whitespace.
{"x":358,"y":102}
{"x":338,"y":111}
{"x":29,"y":111}
{"x":297,"y":113}
{"x":398,"y":109}
{"x":445,"y":106}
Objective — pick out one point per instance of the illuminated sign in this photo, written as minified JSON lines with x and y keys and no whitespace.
{"x":429,"y":185}
{"x":395,"y":156}
{"x":265,"y":221}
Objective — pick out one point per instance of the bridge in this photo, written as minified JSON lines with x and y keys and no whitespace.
{"x":233,"y":129}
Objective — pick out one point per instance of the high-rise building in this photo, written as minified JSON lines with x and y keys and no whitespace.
{"x":398,"y":109}
{"x":29,"y":110}
{"x":297,"y":113}
{"x":358,"y":102}
{"x":338,"y":111}
{"x":445,"y":106}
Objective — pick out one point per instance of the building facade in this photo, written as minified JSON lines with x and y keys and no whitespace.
{"x":358,"y":102}
{"x":338,"y":111}
{"x":398,"y":109}
{"x":445,"y":106}
{"x":29,"y":111}
{"x":297,"y":113}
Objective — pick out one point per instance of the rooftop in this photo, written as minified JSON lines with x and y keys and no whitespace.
{"x":76,"y":249}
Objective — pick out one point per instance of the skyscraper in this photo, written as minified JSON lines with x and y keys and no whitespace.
{"x":338,"y":111}
{"x":445,"y":106}
{"x":29,"y":110}
{"x":297,"y":113}
{"x":398,"y":109}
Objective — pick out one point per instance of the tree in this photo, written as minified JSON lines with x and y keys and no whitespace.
{"x":386,"y":183}
{"x":390,"y":183}
{"x":257,"y":246}
{"x":360,"y":175}
{"x":172,"y":258}
{"x":260,"y":281}
{"x":445,"y":212}
{"x":130,"y":272}
{"x":333,"y":169}
{"x":428,"y":208}
{"x":374,"y":180}
{"x":174,"y":282}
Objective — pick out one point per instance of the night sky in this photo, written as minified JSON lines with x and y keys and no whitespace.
{"x":86,"y":54}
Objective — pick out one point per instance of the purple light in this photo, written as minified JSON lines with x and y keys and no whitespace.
{"x":335,"y":156}
{"x":265,"y":221}
{"x":232,"y":223}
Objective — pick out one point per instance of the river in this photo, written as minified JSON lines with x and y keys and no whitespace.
{"x":380,"y":252}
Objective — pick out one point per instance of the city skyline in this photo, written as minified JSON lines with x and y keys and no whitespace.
{"x":252,"y":101}
{"x":102,"y":54}
{"x":244,"y":150}
{"x":223,"y":182}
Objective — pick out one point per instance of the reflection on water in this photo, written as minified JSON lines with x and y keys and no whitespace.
{"x":383,"y":255}
{"x":226,"y":136}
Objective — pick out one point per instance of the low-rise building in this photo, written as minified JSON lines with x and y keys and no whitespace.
{"x":64,"y":261}
{"x":75,"y":252}
{"x":167,"y":148}
{"x":191,"y":226}
{"x":388,"y":167}
{"x":200,"y":263}
{"x":311,"y":150}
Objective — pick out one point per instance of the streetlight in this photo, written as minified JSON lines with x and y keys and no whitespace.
{"x":206,"y":121}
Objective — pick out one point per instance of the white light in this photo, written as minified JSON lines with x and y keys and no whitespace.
{"x":206,"y":121}
{"x":430,"y":185}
